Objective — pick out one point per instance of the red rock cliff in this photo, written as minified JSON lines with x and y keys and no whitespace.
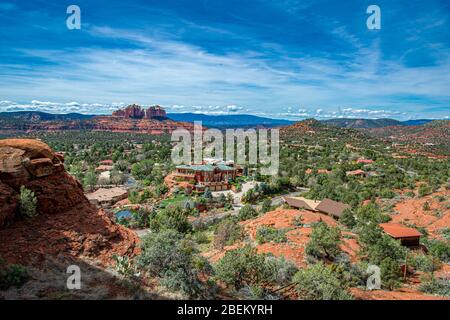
{"x":67,"y":223}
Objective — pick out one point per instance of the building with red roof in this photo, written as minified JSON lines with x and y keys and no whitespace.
{"x":408,"y":237}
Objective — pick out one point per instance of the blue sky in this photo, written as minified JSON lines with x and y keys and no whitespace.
{"x":279,"y":58}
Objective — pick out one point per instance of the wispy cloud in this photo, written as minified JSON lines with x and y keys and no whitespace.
{"x":268,"y":76}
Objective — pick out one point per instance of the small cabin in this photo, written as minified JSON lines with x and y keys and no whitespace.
{"x":409,"y":237}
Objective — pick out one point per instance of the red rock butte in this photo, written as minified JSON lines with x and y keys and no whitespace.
{"x":135,"y":111}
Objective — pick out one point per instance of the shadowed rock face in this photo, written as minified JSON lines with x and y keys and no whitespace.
{"x":8,"y":204}
{"x":66,"y":224}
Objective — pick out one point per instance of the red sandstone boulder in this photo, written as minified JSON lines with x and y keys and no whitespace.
{"x":31,"y":163}
{"x":67,"y":223}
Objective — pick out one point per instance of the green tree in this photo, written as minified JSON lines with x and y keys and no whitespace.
{"x":117,"y":177}
{"x":348,"y":219}
{"x":227,"y":233}
{"x":175,"y":260}
{"x":247,"y":212}
{"x":319,"y":282}
{"x":324,"y":242}
{"x":90,"y":180}
{"x":12,"y":275}
{"x":172,"y":217}
{"x":245,"y":267}
{"x":28,"y":203}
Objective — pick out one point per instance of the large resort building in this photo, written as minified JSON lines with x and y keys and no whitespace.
{"x":214,"y":176}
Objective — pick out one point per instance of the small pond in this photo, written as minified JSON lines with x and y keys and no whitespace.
{"x":124,"y":214}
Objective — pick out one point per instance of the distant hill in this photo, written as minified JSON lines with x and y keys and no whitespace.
{"x":433,"y":136}
{"x":362,"y":123}
{"x":314,"y":130}
{"x":43,"y":116}
{"x":373,"y":123}
{"x":34,"y":121}
{"x":417,"y":122}
{"x":229,"y":121}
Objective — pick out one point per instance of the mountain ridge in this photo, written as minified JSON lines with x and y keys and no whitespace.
{"x":218,"y":121}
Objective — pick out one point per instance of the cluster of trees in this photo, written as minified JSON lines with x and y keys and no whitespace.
{"x":245,"y":268}
{"x":328,"y":150}
{"x":264,"y":190}
{"x":174,"y":259}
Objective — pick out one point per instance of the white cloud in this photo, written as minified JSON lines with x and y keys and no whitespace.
{"x":61,"y":108}
{"x":180,"y":75}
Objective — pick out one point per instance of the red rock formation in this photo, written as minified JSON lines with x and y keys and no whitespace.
{"x":31,"y":163}
{"x":67,"y":223}
{"x":132,"y":119}
{"x":155,"y":112}
{"x":133,"y":111}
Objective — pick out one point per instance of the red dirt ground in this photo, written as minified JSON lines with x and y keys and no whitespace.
{"x":298,"y":237}
{"x":411,"y":211}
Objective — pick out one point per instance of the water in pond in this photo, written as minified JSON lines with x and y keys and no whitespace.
{"x":124,"y":214}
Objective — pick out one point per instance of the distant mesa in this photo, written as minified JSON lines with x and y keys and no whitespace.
{"x":135,"y":111}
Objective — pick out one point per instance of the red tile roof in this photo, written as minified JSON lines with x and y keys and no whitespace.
{"x":364,"y":161}
{"x":397,"y":230}
{"x":355,"y":173}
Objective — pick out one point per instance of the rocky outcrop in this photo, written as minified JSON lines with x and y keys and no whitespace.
{"x":31,"y":163}
{"x":135,"y":111}
{"x":157,"y":125}
{"x":66,"y":224}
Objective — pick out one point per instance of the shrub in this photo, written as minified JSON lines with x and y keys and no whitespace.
{"x":445,"y":233}
{"x":161,"y":189}
{"x":172,"y":217}
{"x":247,"y":212}
{"x":266,"y":206}
{"x":124,"y":266}
{"x":244,"y":267}
{"x":391,"y":274}
{"x":324,"y":242}
{"x":134,"y":197}
{"x":319,"y":282}
{"x":28,"y":203}
{"x":424,"y":189}
{"x":12,"y":275}
{"x":227,"y":233}
{"x":298,"y":221}
{"x":431,"y":285}
{"x":282,"y":270}
{"x":270,"y":234}
{"x":201,"y":237}
{"x":438,"y":249}
{"x":175,"y":260}
{"x":348,"y":219}
{"x":425,"y":263}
